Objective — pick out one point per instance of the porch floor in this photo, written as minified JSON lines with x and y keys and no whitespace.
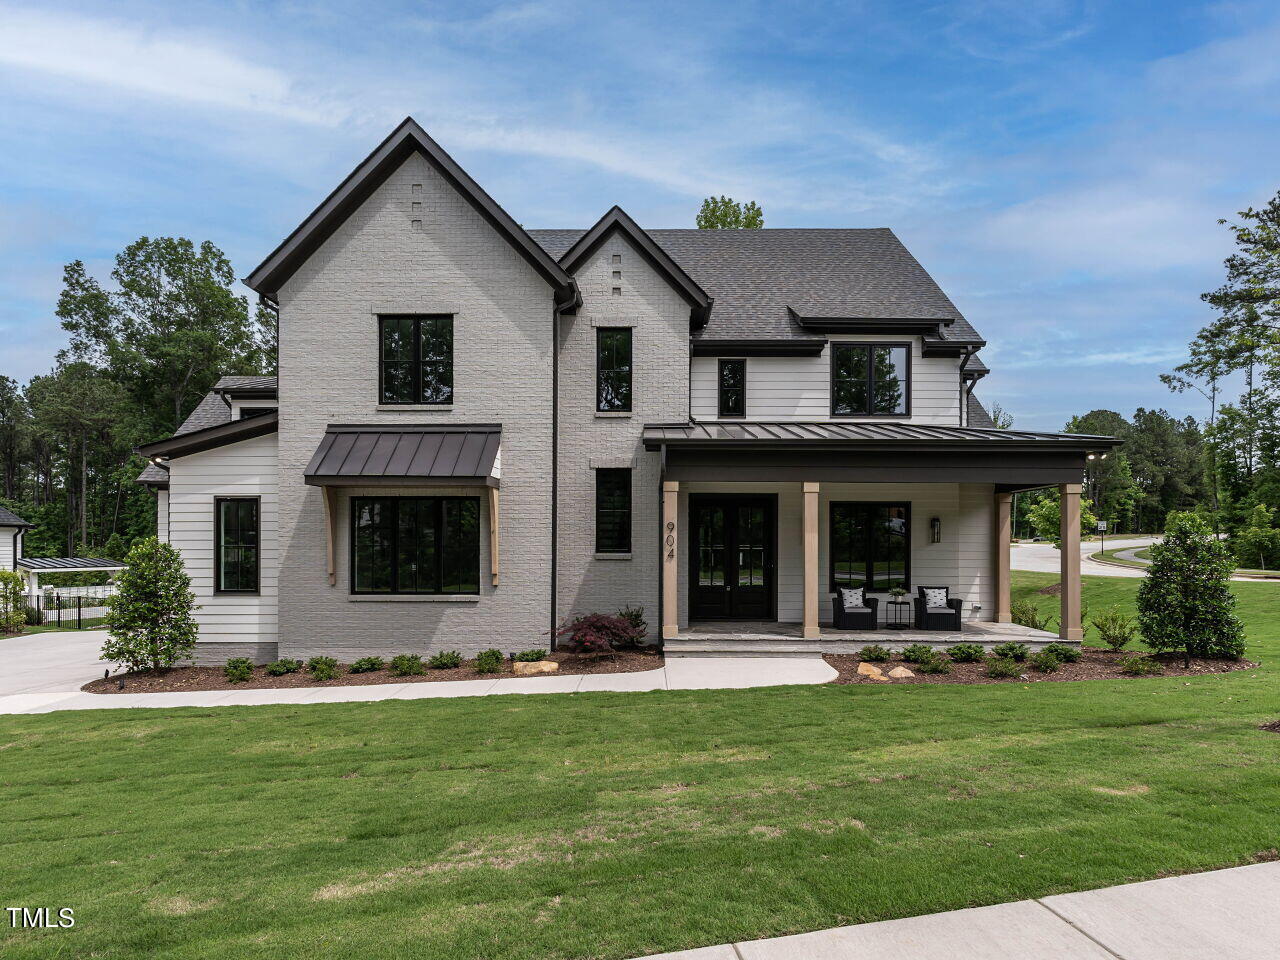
{"x":769,"y":638}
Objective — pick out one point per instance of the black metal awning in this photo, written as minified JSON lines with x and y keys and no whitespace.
{"x":379,"y":454}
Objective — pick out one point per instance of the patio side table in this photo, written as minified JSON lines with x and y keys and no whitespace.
{"x":898,"y":614}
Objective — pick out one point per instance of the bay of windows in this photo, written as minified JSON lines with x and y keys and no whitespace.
{"x":415,"y":545}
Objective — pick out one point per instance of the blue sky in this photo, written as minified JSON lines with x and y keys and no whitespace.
{"x":1057,"y":166}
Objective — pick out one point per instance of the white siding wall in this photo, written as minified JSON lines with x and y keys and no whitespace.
{"x":799,"y":388}
{"x":963,"y":560}
{"x":244,"y":469}
{"x":162,"y":516}
{"x":6,"y":547}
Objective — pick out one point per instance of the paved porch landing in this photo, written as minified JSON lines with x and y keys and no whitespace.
{"x":760,"y":638}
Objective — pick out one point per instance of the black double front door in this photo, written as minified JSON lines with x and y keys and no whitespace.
{"x":731,"y":556}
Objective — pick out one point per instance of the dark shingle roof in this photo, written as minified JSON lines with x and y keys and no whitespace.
{"x":10,"y":519}
{"x":755,"y":275}
{"x":212,"y":411}
{"x":978,"y":416}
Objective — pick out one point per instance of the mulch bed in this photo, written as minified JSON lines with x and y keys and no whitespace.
{"x":1272,"y":727}
{"x":181,"y":679}
{"x":1095,"y":664}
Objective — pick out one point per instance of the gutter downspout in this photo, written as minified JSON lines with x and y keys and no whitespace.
{"x":964,"y":400}
{"x":557,"y":308}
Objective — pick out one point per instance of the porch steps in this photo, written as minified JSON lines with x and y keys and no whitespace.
{"x":742,"y":647}
{"x":747,"y":645}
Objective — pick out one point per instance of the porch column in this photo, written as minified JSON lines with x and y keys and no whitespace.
{"x":1004,"y":535}
{"x":670,"y":543}
{"x":811,"y":631}
{"x":1069,"y":619}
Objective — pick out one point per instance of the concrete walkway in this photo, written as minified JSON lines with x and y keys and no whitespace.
{"x":1203,"y":916}
{"x":41,"y":673}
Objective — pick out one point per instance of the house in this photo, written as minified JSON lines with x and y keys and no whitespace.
{"x":480,"y":431}
{"x":12,"y":534}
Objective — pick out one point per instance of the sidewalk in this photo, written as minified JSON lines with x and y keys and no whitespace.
{"x":679,"y":673}
{"x":1221,"y":915}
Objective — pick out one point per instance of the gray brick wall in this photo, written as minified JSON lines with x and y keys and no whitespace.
{"x":659,"y":319}
{"x":416,"y":246}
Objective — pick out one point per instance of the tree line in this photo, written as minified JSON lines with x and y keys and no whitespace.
{"x":143,"y":349}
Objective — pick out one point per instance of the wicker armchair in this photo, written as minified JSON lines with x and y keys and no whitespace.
{"x":855,"y":618}
{"x":937,"y":618}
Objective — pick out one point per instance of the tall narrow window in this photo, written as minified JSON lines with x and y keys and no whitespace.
{"x":870,"y":545}
{"x":415,"y":359}
{"x":613,"y":369}
{"x":236,"y":535}
{"x":869,"y":379}
{"x":415,"y":545}
{"x":613,"y":511}
{"x":733,"y":388}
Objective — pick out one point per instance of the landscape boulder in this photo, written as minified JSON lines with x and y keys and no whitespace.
{"x":523,"y":668}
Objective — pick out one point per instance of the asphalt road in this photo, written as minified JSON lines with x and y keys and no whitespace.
{"x":1044,"y":557}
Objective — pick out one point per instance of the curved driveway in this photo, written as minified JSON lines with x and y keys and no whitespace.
{"x":1043,"y":557}
{"x":50,"y":662}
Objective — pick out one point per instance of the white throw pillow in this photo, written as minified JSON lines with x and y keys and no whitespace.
{"x":935,"y":596}
{"x":852,"y":597}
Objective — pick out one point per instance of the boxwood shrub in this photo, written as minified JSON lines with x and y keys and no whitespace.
{"x":406,"y":665}
{"x":368,"y":665}
{"x":917,"y":653}
{"x":1010,"y":650}
{"x":322,"y":668}
{"x":238,"y":669}
{"x":875,"y":654}
{"x":966,"y":652}
{"x":280,"y":667}
{"x":1064,"y":652}
{"x":445,"y":660}
{"x":1003,"y":668}
{"x":489,"y":661}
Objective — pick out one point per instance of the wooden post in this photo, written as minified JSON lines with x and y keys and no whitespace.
{"x":1069,"y":618}
{"x":811,"y":631}
{"x":1004,"y":536}
{"x":330,"y":521}
{"x":670,"y":552}
{"x":493,"y":533}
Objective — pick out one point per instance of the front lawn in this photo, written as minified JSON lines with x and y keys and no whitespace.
{"x":614,"y":825}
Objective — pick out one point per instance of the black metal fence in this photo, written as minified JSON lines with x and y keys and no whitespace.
{"x":83,"y":609}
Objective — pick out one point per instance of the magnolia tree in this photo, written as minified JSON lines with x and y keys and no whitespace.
{"x":13,"y":605}
{"x":150,"y":619}
{"x":1185,"y":603}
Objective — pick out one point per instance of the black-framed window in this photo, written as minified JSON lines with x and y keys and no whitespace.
{"x":415,"y":359}
{"x":870,"y":545}
{"x":247,"y":413}
{"x":236,"y":539}
{"x":731,"y":382}
{"x":870,"y":379}
{"x":415,"y":545}
{"x":613,"y":511}
{"x":613,"y":369}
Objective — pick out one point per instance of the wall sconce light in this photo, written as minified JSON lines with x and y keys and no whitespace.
{"x":935,"y":530}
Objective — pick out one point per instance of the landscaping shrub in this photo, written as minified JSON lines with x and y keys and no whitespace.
{"x":917,"y":653}
{"x":444,"y":660}
{"x":1044,"y":661}
{"x":1115,"y":628}
{"x":323,"y":668}
{"x":965,"y":652}
{"x":150,"y":620}
{"x":530,"y":656}
{"x":600,"y":633}
{"x":368,"y":665}
{"x":1062,"y":652}
{"x":280,"y":667}
{"x":489,"y":661}
{"x":639,"y":628}
{"x":1025,"y":613}
{"x":934,"y":663}
{"x":1185,"y":603}
{"x":13,"y":605}
{"x":1136,"y":666}
{"x":1003,"y":668}
{"x":410,"y":665}
{"x":1010,"y":650}
{"x":875,"y":654}
{"x":238,"y":669}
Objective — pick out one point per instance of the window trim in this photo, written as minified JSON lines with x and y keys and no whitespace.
{"x":416,"y":362}
{"x":831,"y":553}
{"x":217,"y":546}
{"x":871,"y":345}
{"x":720,"y":413}
{"x":631,"y":368}
{"x":395,"y":554}
{"x":630,"y":519}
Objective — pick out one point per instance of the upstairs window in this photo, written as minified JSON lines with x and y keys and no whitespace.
{"x":870,"y":379}
{"x":613,"y":511}
{"x":733,"y":388}
{"x":235,"y":541}
{"x":613,"y":369}
{"x":415,"y":359}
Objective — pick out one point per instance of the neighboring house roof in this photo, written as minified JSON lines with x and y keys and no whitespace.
{"x":10,"y":519}
{"x":212,"y":411}
{"x":57,"y":564}
{"x":381,"y":454}
{"x":978,"y":416}
{"x":863,"y":434}
{"x":762,"y":280}
{"x":405,"y":140}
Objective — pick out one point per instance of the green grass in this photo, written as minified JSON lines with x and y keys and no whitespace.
{"x":614,"y":825}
